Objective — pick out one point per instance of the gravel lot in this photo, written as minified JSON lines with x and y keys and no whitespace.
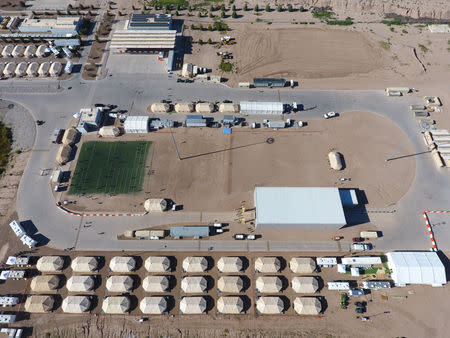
{"x":21,"y":122}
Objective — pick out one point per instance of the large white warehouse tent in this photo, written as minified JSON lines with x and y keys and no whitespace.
{"x":261,"y":108}
{"x":267,"y":264}
{"x":298,"y":208}
{"x":193,"y":305}
{"x":196,"y":284}
{"x":270,"y":305}
{"x":269,"y":284}
{"x":307,"y":305}
{"x":119,"y":283}
{"x":416,"y":268}
{"x":45,"y":283}
{"x":153,"y":305}
{"x":137,"y":124}
{"x":80,"y":283}
{"x":231,"y":284}
{"x":39,"y":304}
{"x":230,"y":264}
{"x":305,"y":284}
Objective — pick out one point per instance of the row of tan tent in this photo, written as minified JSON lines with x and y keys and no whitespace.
{"x":276,"y":305}
{"x":230,"y":284}
{"x":31,"y":69}
{"x":189,"y":107}
{"x":297,"y":265}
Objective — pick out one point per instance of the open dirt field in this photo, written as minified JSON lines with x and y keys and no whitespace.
{"x":218,"y":171}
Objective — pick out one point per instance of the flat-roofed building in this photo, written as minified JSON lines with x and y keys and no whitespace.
{"x":61,"y":25}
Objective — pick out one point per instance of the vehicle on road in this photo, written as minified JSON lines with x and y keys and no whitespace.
{"x":362,"y":247}
{"x":239,"y":236}
{"x":360,"y":310}
{"x":251,"y":237}
{"x":357,"y":239}
{"x":330,"y":115}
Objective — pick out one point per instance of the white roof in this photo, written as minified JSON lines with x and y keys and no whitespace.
{"x":28,"y":241}
{"x":307,"y":305}
{"x":363,"y":260}
{"x":76,"y":304}
{"x":153,"y":305}
{"x":302,"y":264}
{"x":119,"y":283}
{"x":80,"y":283}
{"x":84,"y":264}
{"x":231,"y":284}
{"x":270,"y":305}
{"x":193,"y":305}
{"x":230,"y":305}
{"x":50,"y":263}
{"x":122,"y":264}
{"x":305,"y":284}
{"x":299,"y":208}
{"x":269,"y":284}
{"x":326,"y":261}
{"x":230,"y":264}
{"x":338,"y":285}
{"x":17,"y":228}
{"x":267,"y":264}
{"x":194,"y":284}
{"x":342,"y":268}
{"x":157,"y":264}
{"x":354,"y":271}
{"x":156,"y":283}
{"x":195,"y":264}
{"x":416,"y":268}
{"x":248,"y":107}
{"x":116,"y":305}
{"x":136,"y":124}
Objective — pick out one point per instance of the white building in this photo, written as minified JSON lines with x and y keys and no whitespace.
{"x":137,"y":124}
{"x":261,"y":108}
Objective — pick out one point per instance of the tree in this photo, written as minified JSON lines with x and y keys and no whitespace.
{"x":233,"y":8}
{"x":167,"y":7}
{"x":279,"y":8}
{"x":267,"y":8}
{"x":211,"y":15}
{"x":210,"y":28}
{"x":177,"y":14}
{"x":256,"y":8}
{"x":193,"y":27}
{"x":290,"y":8}
{"x":22,"y":3}
{"x":212,"y":8}
{"x":201,"y":27}
{"x":199,"y":14}
{"x":245,"y":7}
{"x":209,"y":41}
{"x":303,"y":9}
{"x":234,"y":15}
{"x":222,"y":7}
{"x":200,"y":41}
{"x":222,"y":14}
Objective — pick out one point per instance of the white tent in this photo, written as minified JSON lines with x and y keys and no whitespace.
{"x":270,"y":305}
{"x":80,"y":283}
{"x":416,"y":268}
{"x":45,"y":283}
{"x":9,"y":69}
{"x":195,"y":264}
{"x":231,"y":284}
{"x":302,"y":265}
{"x":76,"y":304}
{"x":160,"y":107}
{"x":109,"y":131}
{"x":230,"y":264}
{"x":84,"y":264}
{"x":119,"y":283}
{"x":184,"y":108}
{"x":30,"y":51}
{"x":307,"y":305}
{"x":261,"y":108}
{"x":305,"y":284}
{"x":32,"y":69}
{"x":193,"y":305}
{"x":230,"y":305}
{"x":21,"y":69}
{"x":116,"y":305}
{"x":155,"y":205}
{"x":43,"y":68}
{"x":50,"y":263}
{"x":156,"y":283}
{"x":194,"y":284}
{"x":137,"y":124}
{"x":55,"y":69}
{"x":157,"y":264}
{"x":268,"y":264}
{"x":269,"y":284}
{"x":122,"y":264}
{"x":39,"y":304}
{"x":153,"y":305}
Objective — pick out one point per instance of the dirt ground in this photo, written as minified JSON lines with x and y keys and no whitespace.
{"x":218,"y":171}
{"x":411,"y":311}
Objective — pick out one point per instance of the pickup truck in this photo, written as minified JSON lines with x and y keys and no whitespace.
{"x":329,"y":115}
{"x":362,"y":247}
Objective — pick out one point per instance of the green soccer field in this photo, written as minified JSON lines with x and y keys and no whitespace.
{"x":110,"y":168}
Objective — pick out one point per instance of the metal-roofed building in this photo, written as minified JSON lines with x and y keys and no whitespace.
{"x":261,"y":108}
{"x":189,"y":231}
{"x":150,"y":22}
{"x":298,"y":208}
{"x":416,"y":268}
{"x":137,"y":124}
{"x":195,"y":121}
{"x":269,"y":82}
{"x":376,"y":284}
{"x":65,"y":25}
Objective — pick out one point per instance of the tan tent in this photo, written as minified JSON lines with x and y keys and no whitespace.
{"x":70,"y":136}
{"x":307,"y":305}
{"x":231,"y":284}
{"x":63,"y":154}
{"x":30,"y":51}
{"x":122,"y":264}
{"x":76,"y":304}
{"x":18,"y":51}
{"x":32,"y":69}
{"x":21,"y":69}
{"x":157,"y":264}
{"x":39,"y":304}
{"x":156,"y":283}
{"x":336,"y":160}
{"x":153,"y":305}
{"x":45,"y":283}
{"x":116,"y":305}
{"x":80,"y":283}
{"x":119,"y":283}
{"x":84,"y":264}
{"x":159,"y":108}
{"x":270,"y":305}
{"x":228,"y":108}
{"x":196,"y":284}
{"x":50,"y":263}
{"x":267,"y":264}
{"x":7,"y":51}
{"x":41,"y":51}
{"x":109,"y":131}
{"x":9,"y":70}
{"x":305,"y":284}
{"x":55,"y":69}
{"x":204,"y":108}
{"x":155,"y":205}
{"x":184,"y":108}
{"x":195,"y":264}
{"x":230,"y":264}
{"x":193,"y":305}
{"x":302,"y":265}
{"x":43,"y":69}
{"x":269,"y":284}
{"x":230,"y":305}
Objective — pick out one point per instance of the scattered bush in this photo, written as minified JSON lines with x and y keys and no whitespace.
{"x":423,"y":48}
{"x":347,"y":22}
{"x":226,"y":66}
{"x":385,"y":45}
{"x":322,"y":14}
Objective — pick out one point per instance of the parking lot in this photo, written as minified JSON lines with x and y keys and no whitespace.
{"x":135,"y":64}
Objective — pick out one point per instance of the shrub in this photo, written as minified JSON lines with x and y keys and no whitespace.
{"x":209,"y":41}
{"x":245,"y":8}
{"x":226,"y":66}
{"x":200,"y":42}
{"x":256,"y":9}
{"x":289,"y":7}
{"x":322,"y":14}
{"x":234,"y":15}
{"x":347,"y":22}
{"x":303,"y":9}
{"x":423,"y":48}
{"x":279,"y":8}
{"x":385,"y":45}
{"x":267,"y":8}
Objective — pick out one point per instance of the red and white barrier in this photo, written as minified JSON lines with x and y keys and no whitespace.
{"x":430,"y":231}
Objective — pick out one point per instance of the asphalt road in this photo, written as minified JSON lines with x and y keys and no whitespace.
{"x":56,"y":102}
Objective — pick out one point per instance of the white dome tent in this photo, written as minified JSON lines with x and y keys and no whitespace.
{"x":76,"y":304}
{"x":122,"y":264}
{"x":153,"y":305}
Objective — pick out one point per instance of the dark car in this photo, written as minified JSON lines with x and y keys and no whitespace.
{"x":358,"y":239}
{"x":99,"y":105}
{"x":360,"y":310}
{"x":360,"y":304}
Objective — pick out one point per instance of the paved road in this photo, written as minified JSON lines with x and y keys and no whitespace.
{"x":55,"y":105}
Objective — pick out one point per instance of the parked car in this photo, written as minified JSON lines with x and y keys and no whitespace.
{"x":239,"y":236}
{"x":358,"y":239}
{"x":330,"y":115}
{"x":360,"y":310}
{"x":251,"y":237}
{"x":362,"y":247}
{"x":360,"y":304}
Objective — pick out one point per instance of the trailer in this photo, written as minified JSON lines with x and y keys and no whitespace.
{"x":336,"y":285}
{"x":369,"y":234}
{"x":401,"y":90}
{"x":276,"y":124}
